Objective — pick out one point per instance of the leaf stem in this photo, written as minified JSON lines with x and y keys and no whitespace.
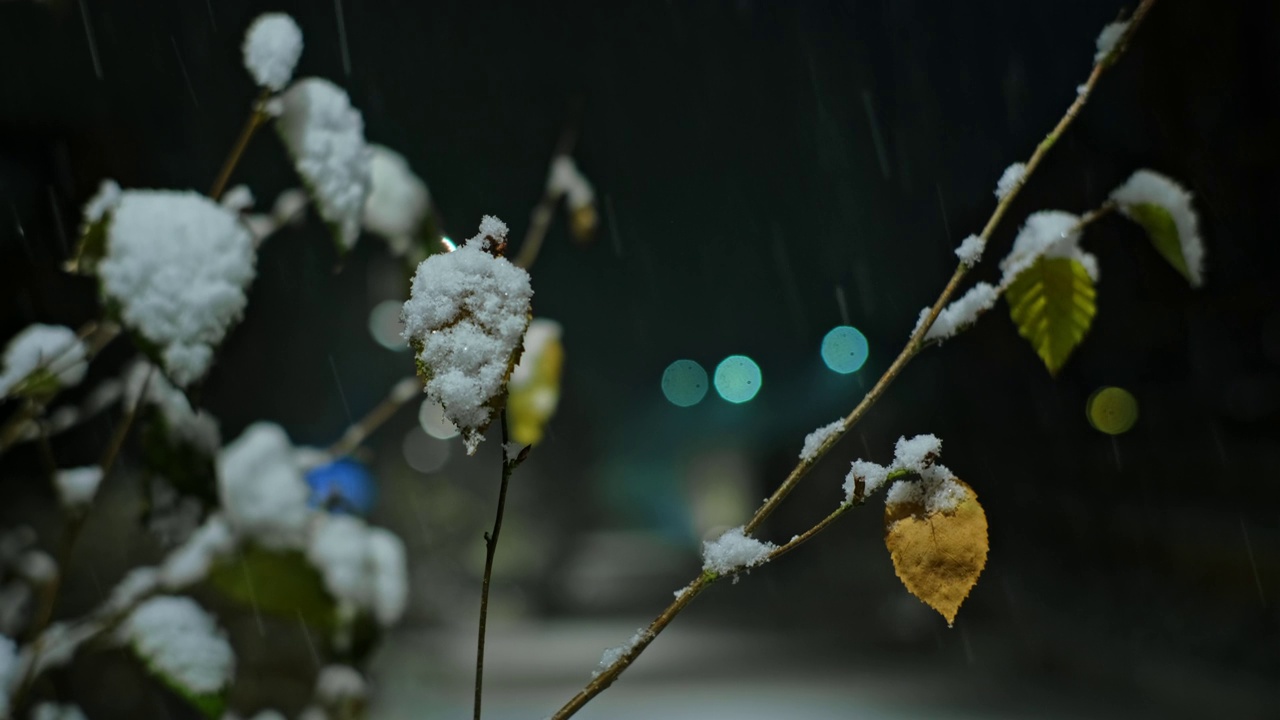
{"x":401,"y":393}
{"x":909,"y":351}
{"x":257,"y":118}
{"x":544,"y":211}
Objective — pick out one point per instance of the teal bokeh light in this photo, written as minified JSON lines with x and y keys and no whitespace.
{"x":844,"y":349}
{"x":738,"y":378}
{"x":684,"y":382}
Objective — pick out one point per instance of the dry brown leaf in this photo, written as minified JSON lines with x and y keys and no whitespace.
{"x":938,"y":556}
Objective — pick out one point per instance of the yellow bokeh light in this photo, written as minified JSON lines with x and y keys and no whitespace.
{"x":1112,"y":410}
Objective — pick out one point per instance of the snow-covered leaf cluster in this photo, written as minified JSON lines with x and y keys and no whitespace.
{"x":183,"y":646}
{"x":272,"y":46}
{"x":175,"y":266}
{"x":265,"y":500}
{"x":325,"y":137}
{"x":398,"y":202}
{"x":466,"y":315}
{"x":42,"y":359}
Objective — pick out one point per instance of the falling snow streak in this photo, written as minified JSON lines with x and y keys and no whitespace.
{"x":342,"y":38}
{"x":882,"y":153}
{"x":844,"y":306}
{"x":1248,"y":548}
{"x":57,"y":221}
{"x":93,"y":45}
{"x":613,"y":226}
{"x":342,"y":395}
{"x":783,"y":264}
{"x":183,"y":67}
{"x":212,"y":23}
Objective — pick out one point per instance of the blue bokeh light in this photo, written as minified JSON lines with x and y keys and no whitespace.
{"x":844,"y":349}
{"x":684,"y":382}
{"x":738,"y":378}
{"x":342,"y":486}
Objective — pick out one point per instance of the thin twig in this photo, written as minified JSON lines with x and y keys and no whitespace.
{"x":257,"y":118}
{"x":607,"y":676}
{"x":401,"y":393}
{"x":509,"y":464}
{"x":544,"y":211}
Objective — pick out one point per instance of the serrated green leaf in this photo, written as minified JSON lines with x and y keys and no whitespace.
{"x":277,"y":582}
{"x":91,"y":248}
{"x":1052,"y":304}
{"x":1162,"y":230}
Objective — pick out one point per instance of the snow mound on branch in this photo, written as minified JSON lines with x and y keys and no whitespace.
{"x":734,"y":550}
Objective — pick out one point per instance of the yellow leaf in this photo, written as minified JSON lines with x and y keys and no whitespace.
{"x":938,"y":556}
{"x":534,"y":388}
{"x":583,"y":222}
{"x":1052,"y":303}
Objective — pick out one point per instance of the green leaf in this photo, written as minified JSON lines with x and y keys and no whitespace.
{"x":277,"y":582}
{"x":1163,"y":232}
{"x":1052,"y":303}
{"x":91,"y":248}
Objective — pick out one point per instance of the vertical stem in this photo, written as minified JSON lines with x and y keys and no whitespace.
{"x":491,"y":546}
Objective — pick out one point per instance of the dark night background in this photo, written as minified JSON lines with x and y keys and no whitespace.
{"x":744,"y":190}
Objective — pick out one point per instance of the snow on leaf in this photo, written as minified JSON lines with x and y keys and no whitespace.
{"x":272,"y":46}
{"x":938,"y":553}
{"x":77,"y":486}
{"x":325,"y":138}
{"x":42,"y":359}
{"x":465,"y":318}
{"x":361,"y":565}
{"x":1052,"y":304}
{"x":398,"y":201}
{"x":182,"y":645}
{"x":1163,"y":208}
{"x":263,"y":493}
{"x":1048,"y":233}
{"x":176,"y":267}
